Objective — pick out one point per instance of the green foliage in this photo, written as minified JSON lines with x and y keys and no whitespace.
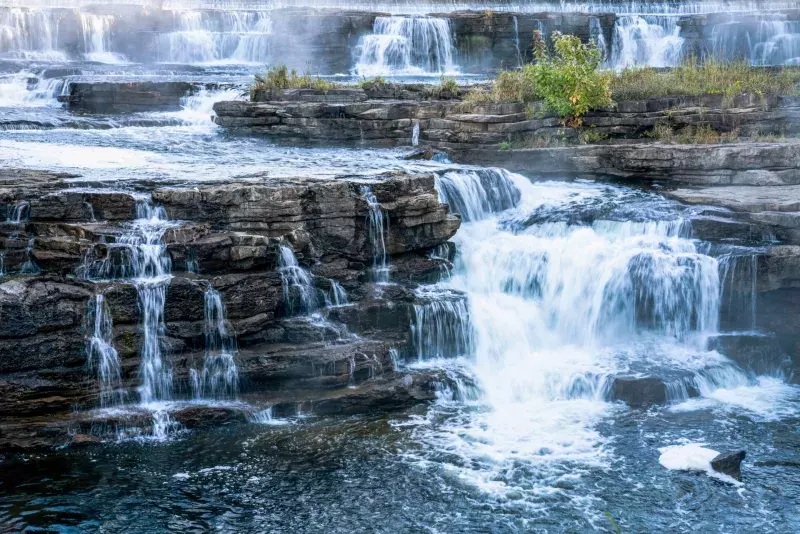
{"x":505,"y":145}
{"x":368,"y":82}
{"x":588,"y":136}
{"x":708,"y":78}
{"x":570,"y":80}
{"x":279,"y":77}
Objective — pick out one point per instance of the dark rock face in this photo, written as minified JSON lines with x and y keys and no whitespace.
{"x":126,"y":97}
{"x":729,"y":463}
{"x":231,"y":235}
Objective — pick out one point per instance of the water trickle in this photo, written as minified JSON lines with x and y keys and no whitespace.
{"x":19,"y":214}
{"x":406,"y":45}
{"x":596,"y":34}
{"x":415,"y":135}
{"x":299,"y":294}
{"x":102,"y":356}
{"x":337,"y":296}
{"x":377,"y":228}
{"x":219,"y":377}
{"x":516,"y":41}
{"x":29,"y":267}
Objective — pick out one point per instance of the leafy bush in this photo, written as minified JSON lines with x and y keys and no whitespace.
{"x":570,"y":80}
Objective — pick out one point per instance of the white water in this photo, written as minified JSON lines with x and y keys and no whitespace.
{"x":770,"y":40}
{"x":219,"y":377}
{"x":299,"y":294}
{"x":642,"y":40}
{"x":556,"y":310}
{"x":406,"y":45}
{"x":103,"y":357}
{"x":377,"y":229}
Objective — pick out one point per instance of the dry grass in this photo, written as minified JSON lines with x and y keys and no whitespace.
{"x":691,"y":79}
{"x":693,"y":135}
{"x":281,"y":78}
{"x":509,"y":86}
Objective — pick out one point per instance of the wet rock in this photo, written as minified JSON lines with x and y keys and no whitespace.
{"x":759,"y":353}
{"x":729,"y":463}
{"x":641,"y":392}
{"x":208,"y":416}
{"x":106,"y":97}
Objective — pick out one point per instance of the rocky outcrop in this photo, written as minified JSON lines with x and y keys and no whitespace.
{"x":384,"y":114}
{"x":227,"y":237}
{"x":132,"y":97}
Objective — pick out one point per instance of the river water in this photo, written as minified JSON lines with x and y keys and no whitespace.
{"x":558,"y":287}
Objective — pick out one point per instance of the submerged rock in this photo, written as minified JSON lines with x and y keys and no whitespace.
{"x":729,"y":463}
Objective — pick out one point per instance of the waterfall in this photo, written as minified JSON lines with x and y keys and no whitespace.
{"x":516,"y":41}
{"x":406,"y":45}
{"x":337,"y":295}
{"x":206,"y":37}
{"x":299,"y":294}
{"x":477,"y":194}
{"x":441,"y":327}
{"x":29,"y":34}
{"x":771,"y":40}
{"x":596,"y":34}
{"x":646,"y":40}
{"x":19,"y":214}
{"x":219,"y":377}
{"x":102,"y":356}
{"x":29,"y":267}
{"x":738,"y":274}
{"x":377,"y":227}
{"x":415,"y":135}
{"x":97,"y":38}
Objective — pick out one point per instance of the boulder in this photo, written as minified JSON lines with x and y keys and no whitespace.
{"x":729,"y":463}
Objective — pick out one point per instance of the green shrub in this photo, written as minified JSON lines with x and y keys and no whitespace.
{"x":570,"y":80}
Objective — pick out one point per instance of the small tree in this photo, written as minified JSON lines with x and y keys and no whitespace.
{"x":570,"y":80}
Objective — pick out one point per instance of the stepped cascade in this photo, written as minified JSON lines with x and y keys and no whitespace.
{"x":259,"y":256}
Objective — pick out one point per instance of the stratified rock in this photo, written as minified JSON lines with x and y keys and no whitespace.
{"x":729,"y":463}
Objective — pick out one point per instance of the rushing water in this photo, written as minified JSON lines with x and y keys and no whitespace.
{"x":556,"y":290}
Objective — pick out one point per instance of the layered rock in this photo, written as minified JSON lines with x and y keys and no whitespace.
{"x":385,"y":114}
{"x":232,"y":235}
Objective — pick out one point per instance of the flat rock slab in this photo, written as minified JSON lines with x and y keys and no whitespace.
{"x":740,"y":198}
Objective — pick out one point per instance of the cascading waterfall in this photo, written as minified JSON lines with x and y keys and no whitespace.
{"x":406,"y":45}
{"x":646,"y":40}
{"x":102,"y":356}
{"x":203,"y":37}
{"x":219,"y":377}
{"x":476,"y":194}
{"x":441,"y":327}
{"x":337,"y":295}
{"x":377,"y":227}
{"x":771,"y":40}
{"x":29,"y":34}
{"x":596,"y":34}
{"x":516,"y":41}
{"x":97,"y":38}
{"x":151,"y":270}
{"x":556,"y":309}
{"x":299,"y":293}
